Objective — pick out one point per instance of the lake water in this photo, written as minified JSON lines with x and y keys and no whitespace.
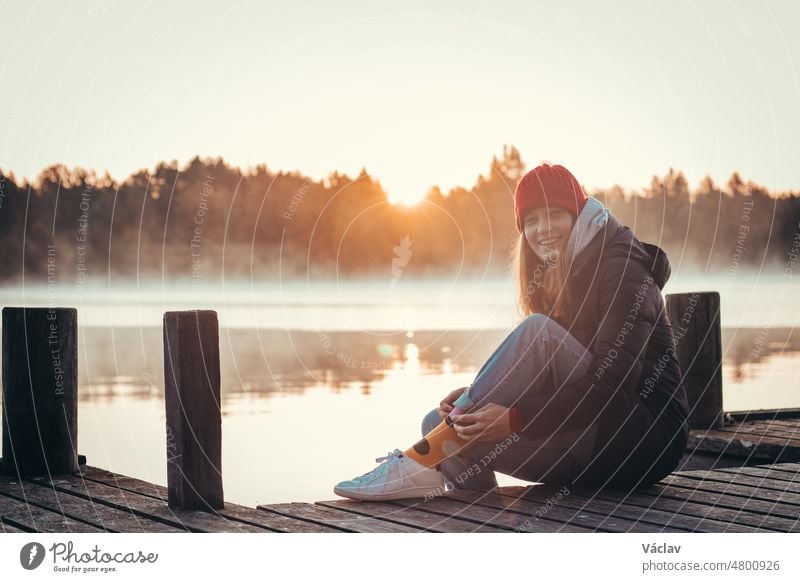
{"x":318,"y":379}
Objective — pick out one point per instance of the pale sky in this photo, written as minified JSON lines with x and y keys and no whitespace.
{"x":421,"y":93}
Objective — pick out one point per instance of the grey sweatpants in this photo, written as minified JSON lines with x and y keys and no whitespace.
{"x":537,"y":355}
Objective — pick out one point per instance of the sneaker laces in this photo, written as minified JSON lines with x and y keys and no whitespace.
{"x":385,"y":462}
{"x":395,"y":453}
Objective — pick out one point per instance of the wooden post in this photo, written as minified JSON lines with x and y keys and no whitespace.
{"x":194,"y":419}
{"x":40,"y":390}
{"x":695,"y":319}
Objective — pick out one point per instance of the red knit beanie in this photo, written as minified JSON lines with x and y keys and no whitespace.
{"x":548,"y":185}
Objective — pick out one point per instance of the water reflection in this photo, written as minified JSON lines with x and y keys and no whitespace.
{"x":128,"y":362}
{"x":755,"y":345}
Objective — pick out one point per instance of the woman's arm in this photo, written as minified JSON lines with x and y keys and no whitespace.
{"x":626,"y":322}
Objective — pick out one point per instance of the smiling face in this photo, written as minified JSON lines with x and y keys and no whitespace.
{"x":547,"y":230}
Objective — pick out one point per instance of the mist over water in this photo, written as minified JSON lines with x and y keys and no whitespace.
{"x":749,"y":298}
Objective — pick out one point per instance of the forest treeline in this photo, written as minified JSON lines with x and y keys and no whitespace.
{"x":208,"y":219}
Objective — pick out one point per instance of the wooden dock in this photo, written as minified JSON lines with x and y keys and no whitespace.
{"x":765,"y":498}
{"x":740,"y":473}
{"x":746,"y":438}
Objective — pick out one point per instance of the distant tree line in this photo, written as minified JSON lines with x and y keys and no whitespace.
{"x":208,"y":220}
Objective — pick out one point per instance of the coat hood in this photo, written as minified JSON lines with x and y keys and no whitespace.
{"x":591,"y":221}
{"x":623,"y":243}
{"x":610,"y":238}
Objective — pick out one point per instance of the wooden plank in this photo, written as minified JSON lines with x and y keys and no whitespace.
{"x":100,"y":516}
{"x":790,"y":426}
{"x":743,"y":478}
{"x":643,"y":513}
{"x":508,"y":520}
{"x":714,"y":441}
{"x":784,"y":422}
{"x":790,"y":414}
{"x":231,"y":511}
{"x":792,"y":438}
{"x":124,"y":482}
{"x":561,"y":508}
{"x":275,"y":522}
{"x":331,"y":516}
{"x":411,"y":516}
{"x":733,"y":437}
{"x":40,"y":390}
{"x":8,"y":528}
{"x":194,"y":417}
{"x":765,"y":509}
{"x":33,"y":518}
{"x":757,"y":471}
{"x":698,"y":348}
{"x":703,"y":505}
{"x":787,"y":423}
{"x":147,"y":507}
{"x":793,"y":468}
{"x":671,"y":516}
{"x":790,"y":467}
{"x":770,"y":431}
{"x":733,"y":489}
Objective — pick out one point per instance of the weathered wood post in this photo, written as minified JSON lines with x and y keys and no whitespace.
{"x":194,"y":419}
{"x":695,"y":319}
{"x":40,"y":390}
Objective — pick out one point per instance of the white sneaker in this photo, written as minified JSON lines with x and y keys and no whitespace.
{"x":397,"y":477}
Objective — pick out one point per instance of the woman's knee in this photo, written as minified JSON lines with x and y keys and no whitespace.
{"x":541,"y":326}
{"x":431,"y":421}
{"x":537,"y":320}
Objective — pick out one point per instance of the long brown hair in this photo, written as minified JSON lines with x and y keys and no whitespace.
{"x":540,"y":281}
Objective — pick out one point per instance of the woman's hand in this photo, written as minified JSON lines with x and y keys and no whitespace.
{"x":490,"y":423}
{"x":446,"y":405}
